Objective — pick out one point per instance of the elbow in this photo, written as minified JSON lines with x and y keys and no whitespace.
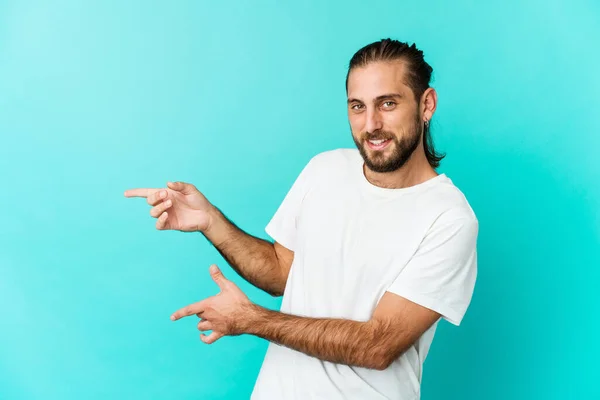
{"x":383,"y":357}
{"x":378,"y":365}
{"x":277,"y":289}
{"x":382,"y":364}
{"x":382,"y":349}
{"x":379,"y":361}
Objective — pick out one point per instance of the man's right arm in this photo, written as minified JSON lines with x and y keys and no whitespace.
{"x":264,"y":264}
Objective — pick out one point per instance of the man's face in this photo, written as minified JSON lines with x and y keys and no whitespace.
{"x":383,"y":115}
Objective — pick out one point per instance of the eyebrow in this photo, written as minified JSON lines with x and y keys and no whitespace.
{"x":379,"y":98}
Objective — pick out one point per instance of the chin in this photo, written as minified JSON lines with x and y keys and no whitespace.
{"x":382,"y":167}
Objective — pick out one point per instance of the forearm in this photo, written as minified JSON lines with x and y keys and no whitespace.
{"x":362,"y":344}
{"x":252,"y":258}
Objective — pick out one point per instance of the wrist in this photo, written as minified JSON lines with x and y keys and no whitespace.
{"x":252,"y":318}
{"x":214,"y":218}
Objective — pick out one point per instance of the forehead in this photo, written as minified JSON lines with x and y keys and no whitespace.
{"x":376,"y":79}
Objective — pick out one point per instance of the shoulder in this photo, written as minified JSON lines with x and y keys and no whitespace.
{"x":336,"y":157}
{"x":446,"y":205}
{"x":332,"y":164}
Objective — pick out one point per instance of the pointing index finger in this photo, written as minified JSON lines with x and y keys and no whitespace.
{"x":139,"y":192}
{"x":186,"y":311}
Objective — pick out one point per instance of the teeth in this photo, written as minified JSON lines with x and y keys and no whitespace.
{"x":377,"y":142}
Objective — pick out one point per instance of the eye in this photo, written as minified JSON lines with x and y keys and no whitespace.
{"x":357,"y":107}
{"x":388,"y":104}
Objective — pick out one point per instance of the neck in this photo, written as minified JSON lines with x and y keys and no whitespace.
{"x":416,"y":170}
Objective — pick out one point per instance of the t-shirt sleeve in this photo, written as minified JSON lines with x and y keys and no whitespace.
{"x":283,"y":225}
{"x":441,"y":275}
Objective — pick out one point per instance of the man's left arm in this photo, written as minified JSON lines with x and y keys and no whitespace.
{"x":396,"y":324}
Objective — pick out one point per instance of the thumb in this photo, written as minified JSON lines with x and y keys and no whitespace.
{"x":184,"y":188}
{"x":217,"y":276}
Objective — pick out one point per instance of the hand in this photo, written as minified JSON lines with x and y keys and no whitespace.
{"x":188,"y":209}
{"x":226,"y":314}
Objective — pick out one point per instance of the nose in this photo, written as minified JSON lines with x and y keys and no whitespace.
{"x":373,"y":122}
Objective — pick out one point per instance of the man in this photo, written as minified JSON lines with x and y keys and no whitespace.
{"x":372,"y":247}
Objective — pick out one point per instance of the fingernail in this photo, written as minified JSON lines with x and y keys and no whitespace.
{"x":172,"y":318}
{"x":163,"y":195}
{"x":169,"y":203}
{"x":213,"y":268}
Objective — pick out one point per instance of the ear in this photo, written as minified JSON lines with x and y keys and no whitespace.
{"x":428,"y":104}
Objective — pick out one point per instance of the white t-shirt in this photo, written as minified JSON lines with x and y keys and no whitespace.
{"x":352,"y":242}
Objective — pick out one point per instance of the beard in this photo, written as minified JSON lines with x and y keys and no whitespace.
{"x":395,"y":154}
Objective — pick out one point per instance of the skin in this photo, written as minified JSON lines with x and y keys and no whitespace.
{"x":396,"y":322}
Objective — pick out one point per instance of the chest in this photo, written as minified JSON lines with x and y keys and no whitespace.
{"x":352,"y":245}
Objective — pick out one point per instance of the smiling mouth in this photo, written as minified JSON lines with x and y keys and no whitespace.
{"x":378,"y":144}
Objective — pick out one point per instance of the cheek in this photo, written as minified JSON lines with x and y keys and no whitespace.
{"x":397,"y":121}
{"x":356,"y":123}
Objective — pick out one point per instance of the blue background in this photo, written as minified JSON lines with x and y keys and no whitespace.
{"x":100,"y":96}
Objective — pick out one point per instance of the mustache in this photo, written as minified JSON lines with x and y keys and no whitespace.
{"x":378,"y":135}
